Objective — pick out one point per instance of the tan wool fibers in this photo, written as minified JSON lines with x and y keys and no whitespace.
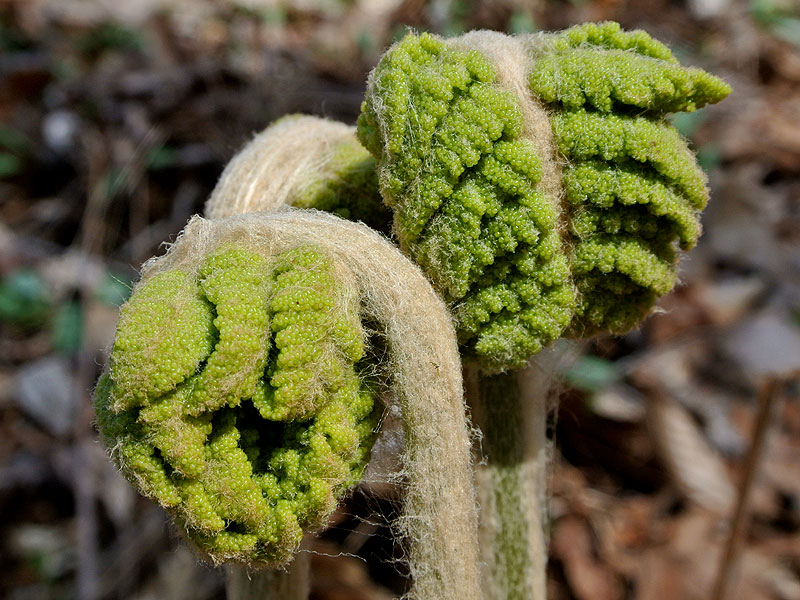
{"x":424,"y":370}
{"x":277,"y":165}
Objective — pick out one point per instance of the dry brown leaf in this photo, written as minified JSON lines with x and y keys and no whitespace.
{"x":696,"y":470}
{"x":588,"y":579}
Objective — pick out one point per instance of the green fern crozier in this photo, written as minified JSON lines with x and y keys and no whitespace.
{"x":233,"y":398}
{"x":465,"y":181}
{"x":462,"y":182}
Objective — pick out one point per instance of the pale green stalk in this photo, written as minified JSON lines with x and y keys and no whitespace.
{"x":511,"y":409}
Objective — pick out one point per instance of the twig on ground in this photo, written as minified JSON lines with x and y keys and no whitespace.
{"x":768,"y":403}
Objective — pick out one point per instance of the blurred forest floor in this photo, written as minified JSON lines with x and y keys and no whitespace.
{"x":116,"y":118}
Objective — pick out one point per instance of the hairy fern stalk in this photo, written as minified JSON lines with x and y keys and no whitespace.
{"x":539,"y":183}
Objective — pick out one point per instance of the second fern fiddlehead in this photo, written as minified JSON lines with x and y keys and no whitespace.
{"x":532,"y":233}
{"x":240,"y":393}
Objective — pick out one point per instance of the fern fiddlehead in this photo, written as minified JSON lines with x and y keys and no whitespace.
{"x":240,"y":394}
{"x":538,"y":183}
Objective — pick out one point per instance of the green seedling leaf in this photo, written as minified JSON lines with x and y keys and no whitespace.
{"x":10,"y":165}
{"x":781,"y":19}
{"x":114,"y":290}
{"x":67,"y":333}
{"x":113,"y":182}
{"x":24,"y":299}
{"x":521,"y":22}
{"x":788,"y":30}
{"x":113,"y":37}
{"x":709,"y":157}
{"x":14,"y":141}
{"x":688,"y":122}
{"x":592,"y":374}
{"x":162,"y":157}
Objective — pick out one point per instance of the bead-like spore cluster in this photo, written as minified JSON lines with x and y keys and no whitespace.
{"x":234,"y":398}
{"x":465,"y":181}
{"x":633,"y":188}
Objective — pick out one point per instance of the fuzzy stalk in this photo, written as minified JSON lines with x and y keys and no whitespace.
{"x":511,"y":409}
{"x":314,"y":163}
{"x":290,"y":583}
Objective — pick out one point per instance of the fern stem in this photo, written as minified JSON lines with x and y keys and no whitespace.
{"x":511,"y":410}
{"x":291,"y":583}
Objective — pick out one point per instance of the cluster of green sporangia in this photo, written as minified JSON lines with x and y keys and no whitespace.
{"x":463,"y":181}
{"x":632,"y":184}
{"x":233,"y":398}
{"x":349,"y":189}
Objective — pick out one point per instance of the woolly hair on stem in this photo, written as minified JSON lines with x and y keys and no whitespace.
{"x":539,"y":184}
{"x":240,"y":395}
{"x":302,"y":161}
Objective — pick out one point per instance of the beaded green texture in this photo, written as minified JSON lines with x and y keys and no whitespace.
{"x":633,"y":188}
{"x":519,"y":268}
{"x":463,"y":184}
{"x":234,"y":399}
